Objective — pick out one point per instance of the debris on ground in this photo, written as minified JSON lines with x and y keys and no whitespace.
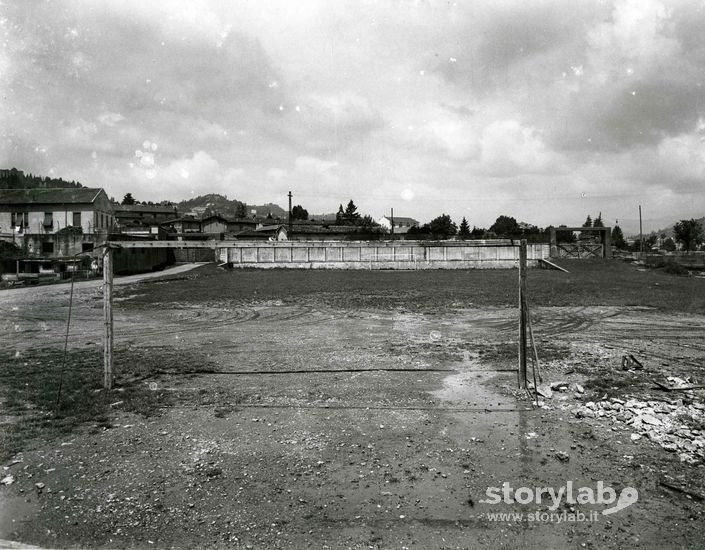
{"x":562,"y":456}
{"x":670,"y":424}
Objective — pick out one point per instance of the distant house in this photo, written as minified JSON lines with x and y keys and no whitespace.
{"x":182,"y":225}
{"x":142,"y":215}
{"x":401,"y":224}
{"x":264,"y":233}
{"x":49,"y":210}
{"x":243,"y":224}
{"x":214,"y":224}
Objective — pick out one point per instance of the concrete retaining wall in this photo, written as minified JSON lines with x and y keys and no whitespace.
{"x":379,"y":255}
{"x":194,"y":255}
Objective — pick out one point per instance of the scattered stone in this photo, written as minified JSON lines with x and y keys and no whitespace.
{"x":559,"y":386}
{"x":544,"y":390}
{"x":649,"y":419}
{"x":584,"y":412}
{"x":662,"y":422}
{"x":7,"y":480}
{"x":562,"y":456}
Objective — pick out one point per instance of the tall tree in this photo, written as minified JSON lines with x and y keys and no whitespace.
{"x":478,"y":232}
{"x":298,"y":212}
{"x":598,"y":221}
{"x":689,"y":233}
{"x":442,"y":226}
{"x":352,"y":216}
{"x":241,"y":211}
{"x":505,"y":226}
{"x":128,"y":199}
{"x":588,"y":221}
{"x":618,"y":238}
{"x":464,"y":229}
{"x":340,"y":216}
{"x":668,"y":244}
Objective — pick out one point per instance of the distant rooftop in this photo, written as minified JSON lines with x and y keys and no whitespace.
{"x":144,"y":208}
{"x":58,"y":195}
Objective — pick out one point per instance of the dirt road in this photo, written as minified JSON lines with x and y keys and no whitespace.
{"x":345,"y":410}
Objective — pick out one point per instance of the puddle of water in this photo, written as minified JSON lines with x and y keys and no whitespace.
{"x":14,"y":512}
{"x":468,"y":387}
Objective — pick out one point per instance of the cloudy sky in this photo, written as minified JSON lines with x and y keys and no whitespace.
{"x":543,"y":110}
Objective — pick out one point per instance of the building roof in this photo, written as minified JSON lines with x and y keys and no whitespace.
{"x":144,"y":208}
{"x":214,"y":216}
{"x":327,"y":229}
{"x":59,"y":195}
{"x":270,"y":227}
{"x":185,"y":218}
{"x":402,"y":219}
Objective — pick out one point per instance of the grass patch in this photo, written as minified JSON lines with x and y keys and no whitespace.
{"x":47,"y":403}
{"x":508,"y":352}
{"x":588,"y":283}
{"x":673,"y":268}
{"x":615,"y":383}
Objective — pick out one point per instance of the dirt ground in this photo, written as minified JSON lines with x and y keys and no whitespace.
{"x":344,"y":409}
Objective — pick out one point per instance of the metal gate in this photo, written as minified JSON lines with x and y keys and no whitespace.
{"x":580,"y":250}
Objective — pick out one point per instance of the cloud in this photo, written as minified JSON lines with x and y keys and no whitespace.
{"x":314,"y":165}
{"x":469,"y":107}
{"x":509,"y":148}
{"x":110,"y":119}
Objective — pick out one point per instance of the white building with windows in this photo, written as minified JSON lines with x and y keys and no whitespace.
{"x":47,"y":211}
{"x":401,"y":224}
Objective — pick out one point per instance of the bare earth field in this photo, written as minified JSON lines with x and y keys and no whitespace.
{"x":349,"y":409}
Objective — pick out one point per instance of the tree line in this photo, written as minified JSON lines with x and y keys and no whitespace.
{"x":689,"y":234}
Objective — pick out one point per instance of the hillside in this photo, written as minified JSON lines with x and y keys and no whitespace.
{"x":668,"y":230}
{"x":212,"y":203}
{"x":17,"y":179}
{"x":265,"y":210}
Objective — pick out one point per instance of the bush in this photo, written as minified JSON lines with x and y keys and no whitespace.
{"x":672,"y":268}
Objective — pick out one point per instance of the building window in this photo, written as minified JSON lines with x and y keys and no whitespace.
{"x":77,"y":219}
{"x":20,"y":220}
{"x":48,"y":220}
{"x":47,"y":247}
{"x":86,"y":247}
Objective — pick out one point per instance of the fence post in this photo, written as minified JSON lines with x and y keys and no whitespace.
{"x":108,"y":318}
{"x":522,"y":314}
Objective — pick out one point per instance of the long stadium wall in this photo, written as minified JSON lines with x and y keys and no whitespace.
{"x":379,"y":254}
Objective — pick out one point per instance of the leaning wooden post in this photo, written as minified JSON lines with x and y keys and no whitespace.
{"x":108,"y":318}
{"x":522,"y":314}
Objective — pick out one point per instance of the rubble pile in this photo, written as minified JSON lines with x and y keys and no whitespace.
{"x":667,"y":423}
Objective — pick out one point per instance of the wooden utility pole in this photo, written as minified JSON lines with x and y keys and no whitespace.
{"x":392,"y":222}
{"x":641,"y":236}
{"x":290,"y":220}
{"x":522,"y":314}
{"x":108,"y":318}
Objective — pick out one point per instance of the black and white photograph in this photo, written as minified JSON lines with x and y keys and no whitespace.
{"x":352,"y":274}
